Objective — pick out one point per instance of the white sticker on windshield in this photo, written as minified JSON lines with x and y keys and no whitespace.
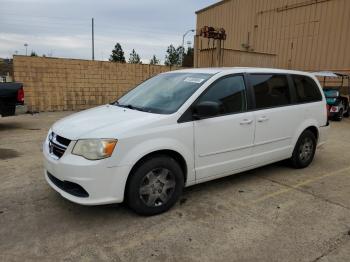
{"x":194,"y":80}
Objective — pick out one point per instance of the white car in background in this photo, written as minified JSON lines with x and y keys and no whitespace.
{"x":182,"y":128}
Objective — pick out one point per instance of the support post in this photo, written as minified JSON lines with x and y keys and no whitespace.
{"x":92,"y":38}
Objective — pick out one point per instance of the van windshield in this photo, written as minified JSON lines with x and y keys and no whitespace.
{"x":164,"y":93}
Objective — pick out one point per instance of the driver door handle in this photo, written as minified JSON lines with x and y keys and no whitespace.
{"x":246,"y":122}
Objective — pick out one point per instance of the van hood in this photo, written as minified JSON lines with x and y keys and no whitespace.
{"x":106,"y":121}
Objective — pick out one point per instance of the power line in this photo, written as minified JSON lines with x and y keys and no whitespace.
{"x":102,"y":29}
{"x":76,"y":22}
{"x":24,"y":22}
{"x":16,"y":15}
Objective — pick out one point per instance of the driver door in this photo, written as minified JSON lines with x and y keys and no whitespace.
{"x":223,"y":143}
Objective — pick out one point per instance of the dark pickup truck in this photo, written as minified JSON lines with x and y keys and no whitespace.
{"x":11,"y":99}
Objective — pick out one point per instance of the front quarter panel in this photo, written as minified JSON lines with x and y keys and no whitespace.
{"x":176,"y":137}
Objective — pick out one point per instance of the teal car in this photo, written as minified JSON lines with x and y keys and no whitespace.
{"x":338,"y":106}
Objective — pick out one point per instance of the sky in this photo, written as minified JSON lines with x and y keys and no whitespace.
{"x":62,"y":28}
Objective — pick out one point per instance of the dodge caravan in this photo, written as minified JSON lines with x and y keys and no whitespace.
{"x":182,"y":128}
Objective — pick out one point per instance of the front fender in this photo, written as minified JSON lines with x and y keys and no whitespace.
{"x":149,"y":146}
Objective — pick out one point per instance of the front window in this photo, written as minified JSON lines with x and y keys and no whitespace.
{"x":164,"y":93}
{"x":229,"y":93}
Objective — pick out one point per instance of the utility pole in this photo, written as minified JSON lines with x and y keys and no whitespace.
{"x":183,"y":43}
{"x":93,"y":40}
{"x":26,"y":45}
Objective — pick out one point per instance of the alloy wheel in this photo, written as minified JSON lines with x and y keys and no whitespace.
{"x":157,"y":187}
{"x":306,"y":149}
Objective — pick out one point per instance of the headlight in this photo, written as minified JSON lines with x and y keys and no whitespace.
{"x":94,"y":149}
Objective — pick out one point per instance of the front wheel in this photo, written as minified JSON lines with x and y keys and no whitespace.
{"x":304,"y":150}
{"x":155,"y":185}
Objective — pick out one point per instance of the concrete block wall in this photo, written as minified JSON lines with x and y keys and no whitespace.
{"x":55,"y":84}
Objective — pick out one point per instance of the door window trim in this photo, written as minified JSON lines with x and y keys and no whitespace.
{"x":187,"y":115}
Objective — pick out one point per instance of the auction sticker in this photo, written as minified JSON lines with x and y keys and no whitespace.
{"x":194,"y":80}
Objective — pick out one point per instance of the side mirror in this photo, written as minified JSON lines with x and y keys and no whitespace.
{"x":205,"y":109}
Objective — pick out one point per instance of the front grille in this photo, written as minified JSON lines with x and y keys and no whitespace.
{"x":57,"y":145}
{"x":69,"y":187}
{"x":62,"y":140}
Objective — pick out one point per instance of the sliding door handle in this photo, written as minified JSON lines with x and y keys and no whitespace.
{"x":246,"y":122}
{"x":263,"y":119}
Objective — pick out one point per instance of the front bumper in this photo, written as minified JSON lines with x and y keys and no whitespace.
{"x":103,"y":184}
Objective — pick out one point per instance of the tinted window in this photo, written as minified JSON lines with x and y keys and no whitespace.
{"x":306,"y":89}
{"x":270,"y":90}
{"x":229,"y":93}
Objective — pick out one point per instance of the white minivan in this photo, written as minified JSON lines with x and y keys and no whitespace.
{"x":182,"y":128}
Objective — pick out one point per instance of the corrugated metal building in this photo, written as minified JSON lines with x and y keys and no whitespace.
{"x":308,"y":35}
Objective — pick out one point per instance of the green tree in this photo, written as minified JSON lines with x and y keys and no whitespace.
{"x":172,"y":56}
{"x":188,"y":58}
{"x":154,"y":60}
{"x":33,"y":54}
{"x":181,"y":52}
{"x":134,"y":58}
{"x":117,"y":54}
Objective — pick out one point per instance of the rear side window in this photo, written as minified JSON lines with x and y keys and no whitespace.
{"x":306,"y":89}
{"x":270,"y":90}
{"x":229,"y":92}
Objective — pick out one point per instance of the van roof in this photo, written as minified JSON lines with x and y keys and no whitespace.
{"x":215,"y":70}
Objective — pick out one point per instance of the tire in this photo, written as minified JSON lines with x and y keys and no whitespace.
{"x":340,"y":115}
{"x":155,"y":185}
{"x":346,"y":114}
{"x":304,"y":150}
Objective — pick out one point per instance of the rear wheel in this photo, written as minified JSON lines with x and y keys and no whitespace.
{"x":340,"y":115}
{"x":155,"y":185}
{"x":304,"y":150}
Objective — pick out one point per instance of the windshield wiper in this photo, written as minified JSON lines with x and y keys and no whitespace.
{"x":130,"y":107}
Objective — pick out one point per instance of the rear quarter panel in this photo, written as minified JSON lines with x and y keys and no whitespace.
{"x":314,"y":114}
